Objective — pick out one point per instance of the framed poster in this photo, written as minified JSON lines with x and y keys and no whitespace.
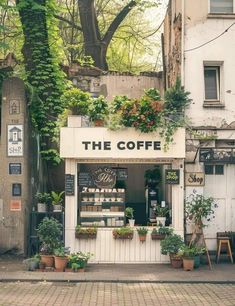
{"x":15,"y":205}
{"x":16,"y":190}
{"x":172,"y":176}
{"x":15,"y":140}
{"x":15,"y":168}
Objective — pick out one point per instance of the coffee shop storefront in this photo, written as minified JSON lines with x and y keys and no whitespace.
{"x":105,"y":172}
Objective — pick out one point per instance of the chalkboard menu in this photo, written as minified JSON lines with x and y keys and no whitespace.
{"x":172,"y":176}
{"x":15,"y":168}
{"x":85,"y":179}
{"x":69,"y":184}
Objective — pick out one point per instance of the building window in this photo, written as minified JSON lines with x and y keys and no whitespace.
{"x":221,"y":6}
{"x":212,"y":83}
{"x":214,"y":169}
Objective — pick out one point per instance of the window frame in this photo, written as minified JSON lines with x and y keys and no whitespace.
{"x":217,"y":69}
{"x":221,"y":13}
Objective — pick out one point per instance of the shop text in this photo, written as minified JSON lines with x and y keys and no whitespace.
{"x":122,"y":145}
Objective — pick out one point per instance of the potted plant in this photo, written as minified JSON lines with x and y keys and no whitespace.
{"x":199,"y":250}
{"x":142,"y":231}
{"x":57,"y":200}
{"x":98,"y":110}
{"x":76,"y":101}
{"x":161,"y":232}
{"x":171,"y":245}
{"x":161,"y":213}
{"x":78,"y":261}
{"x":188,"y":253}
{"x":61,"y":258}
{"x":49,"y":233}
{"x":43,"y":199}
{"x":85,"y":233}
{"x":32,"y":263}
{"x":129,"y":213}
{"x":123,"y":233}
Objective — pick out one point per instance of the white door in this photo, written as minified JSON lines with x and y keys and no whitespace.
{"x":220,"y":184}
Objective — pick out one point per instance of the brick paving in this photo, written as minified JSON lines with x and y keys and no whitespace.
{"x":115,"y":294}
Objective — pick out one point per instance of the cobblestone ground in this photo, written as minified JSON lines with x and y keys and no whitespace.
{"x":115,"y":294}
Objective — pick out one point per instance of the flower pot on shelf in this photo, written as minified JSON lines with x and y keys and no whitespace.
{"x":57,"y":208}
{"x":85,"y":236}
{"x":161,"y":221}
{"x":42,"y":207}
{"x":157,"y":236}
{"x":142,"y":238}
{"x":132,"y":222}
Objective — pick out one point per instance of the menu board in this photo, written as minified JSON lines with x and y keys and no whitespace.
{"x":69,"y":184}
{"x":85,"y":179}
{"x":172,"y":176}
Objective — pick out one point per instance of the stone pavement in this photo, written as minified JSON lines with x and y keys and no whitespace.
{"x":12,"y":269}
{"x":115,"y":294}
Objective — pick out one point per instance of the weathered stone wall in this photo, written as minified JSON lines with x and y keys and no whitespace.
{"x":14,"y":187}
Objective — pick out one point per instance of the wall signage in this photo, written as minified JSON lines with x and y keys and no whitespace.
{"x":194,"y":179}
{"x":15,"y":205}
{"x":15,"y":140}
{"x":85,"y":179}
{"x":16,"y":190}
{"x":97,"y":143}
{"x":172,"y":176}
{"x":14,"y":168}
{"x":69,"y":184}
{"x":14,"y":107}
{"x":212,"y":155}
{"x":104,"y":177}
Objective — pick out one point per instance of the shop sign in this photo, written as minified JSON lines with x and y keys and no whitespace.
{"x":15,"y":205}
{"x":194,"y":179}
{"x":172,"y":176}
{"x":96,"y":143}
{"x":212,"y":155}
{"x":104,"y":177}
{"x":14,"y":168}
{"x":69,"y":184}
{"x":15,"y":140}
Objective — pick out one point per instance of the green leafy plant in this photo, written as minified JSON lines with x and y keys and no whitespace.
{"x":129,"y":213}
{"x":98,"y":109}
{"x":77,"y":101}
{"x":85,"y":232}
{"x":153,"y":93}
{"x":161,"y":211}
{"x":142,"y":230}
{"x":78,"y":260}
{"x":152,"y":176}
{"x":199,"y":208}
{"x":123,"y":233}
{"x":49,"y":233}
{"x":171,"y":244}
{"x":190,"y":251}
{"x":57,"y":198}
{"x":43,"y":197}
{"x":61,"y":251}
{"x":163,"y":230}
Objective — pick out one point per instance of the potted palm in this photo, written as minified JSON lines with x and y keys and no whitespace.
{"x":49,"y":233}
{"x":142,"y":231}
{"x":43,"y":199}
{"x":57,"y":200}
{"x":129,"y":213}
{"x":171,"y":245}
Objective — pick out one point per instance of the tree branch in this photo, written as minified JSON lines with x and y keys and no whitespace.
{"x":72,"y":24}
{"x":117,"y":21}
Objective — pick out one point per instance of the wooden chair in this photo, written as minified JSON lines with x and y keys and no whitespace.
{"x":224,"y":242}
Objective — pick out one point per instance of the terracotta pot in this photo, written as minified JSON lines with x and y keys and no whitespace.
{"x":48,"y":260}
{"x":188,"y":264}
{"x":60,"y":263}
{"x":142,"y":238}
{"x":157,"y":236}
{"x":99,"y":122}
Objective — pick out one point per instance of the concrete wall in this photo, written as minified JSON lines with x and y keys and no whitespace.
{"x":13,"y":222}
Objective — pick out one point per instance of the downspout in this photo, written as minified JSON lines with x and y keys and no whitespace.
{"x":182,"y":43}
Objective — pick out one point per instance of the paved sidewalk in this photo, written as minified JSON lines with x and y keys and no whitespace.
{"x":12,"y":269}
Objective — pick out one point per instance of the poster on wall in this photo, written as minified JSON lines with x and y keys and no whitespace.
{"x":15,"y":205}
{"x":15,"y":140}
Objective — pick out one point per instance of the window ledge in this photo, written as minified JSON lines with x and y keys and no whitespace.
{"x":212,"y":104}
{"x":221,"y":16}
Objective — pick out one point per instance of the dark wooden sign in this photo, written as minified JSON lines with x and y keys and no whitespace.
{"x":69,"y":184}
{"x":16,"y":190}
{"x":15,"y":168}
{"x":85,"y":179}
{"x":104,"y":177}
{"x":172,"y":176}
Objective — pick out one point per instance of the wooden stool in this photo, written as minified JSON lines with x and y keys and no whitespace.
{"x":224,"y":241}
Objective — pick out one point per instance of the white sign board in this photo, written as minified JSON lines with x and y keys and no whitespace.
{"x":101,"y":143}
{"x":15,"y":140}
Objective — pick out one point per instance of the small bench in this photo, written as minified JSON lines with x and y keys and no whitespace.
{"x":224,"y":241}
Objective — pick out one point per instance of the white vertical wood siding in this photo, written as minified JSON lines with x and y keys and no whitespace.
{"x":106,"y":249}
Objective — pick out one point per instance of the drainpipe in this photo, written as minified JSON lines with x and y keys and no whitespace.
{"x":182,"y":43}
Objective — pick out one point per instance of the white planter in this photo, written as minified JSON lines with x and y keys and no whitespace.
{"x":161,"y":220}
{"x":42,"y":207}
{"x":132,"y":222}
{"x":57,"y":207}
